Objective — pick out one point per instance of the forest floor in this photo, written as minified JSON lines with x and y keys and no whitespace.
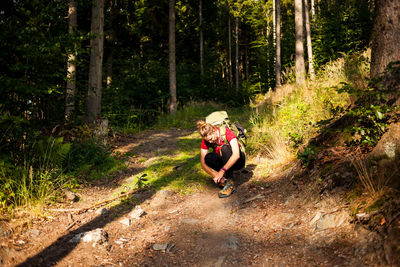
{"x":259,"y":225}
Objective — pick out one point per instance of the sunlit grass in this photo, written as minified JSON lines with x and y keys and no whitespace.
{"x":285,"y":119}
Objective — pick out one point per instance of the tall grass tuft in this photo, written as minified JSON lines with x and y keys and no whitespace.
{"x":373,"y":182}
{"x":35,"y":181}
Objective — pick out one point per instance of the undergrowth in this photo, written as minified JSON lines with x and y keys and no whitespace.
{"x":49,"y":166}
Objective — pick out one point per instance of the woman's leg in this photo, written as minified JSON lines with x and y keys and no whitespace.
{"x":226,"y":154}
{"x":214,"y":161}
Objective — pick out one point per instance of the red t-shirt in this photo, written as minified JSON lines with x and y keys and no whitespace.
{"x":229,"y":135}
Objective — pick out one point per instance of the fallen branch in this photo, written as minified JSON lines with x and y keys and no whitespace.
{"x":104,"y":202}
{"x":71,"y":225}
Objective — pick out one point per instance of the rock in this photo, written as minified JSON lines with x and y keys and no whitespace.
{"x":136,"y":213}
{"x":386,"y":153}
{"x":34,"y":233}
{"x":160,"y":246}
{"x":101,"y":211}
{"x":125,"y":221}
{"x":71,"y":196}
{"x":96,"y":237}
{"x":389,"y":145}
{"x":231,"y":243}
{"x":331,"y":220}
{"x":316,"y":217}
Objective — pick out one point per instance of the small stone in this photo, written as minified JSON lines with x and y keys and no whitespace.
{"x":136,"y":213}
{"x":97,"y":237}
{"x":34,"y":233}
{"x":160,"y":246}
{"x":232,"y":243}
{"x":125,"y":221}
{"x":71,"y":196}
{"x":256,"y":229}
{"x":101,"y":211}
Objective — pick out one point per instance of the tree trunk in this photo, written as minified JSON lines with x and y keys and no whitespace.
{"x":111,"y":42}
{"x":309,"y":44}
{"x":96,"y":61}
{"x":172,"y":60}
{"x":299,"y":64}
{"x":71,"y":67}
{"x":385,"y":35}
{"x":201,"y":38}
{"x":230,"y":51}
{"x":278,"y":64}
{"x":237,"y":53}
{"x":312,"y":9}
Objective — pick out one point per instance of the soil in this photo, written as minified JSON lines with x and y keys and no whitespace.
{"x":259,"y":225}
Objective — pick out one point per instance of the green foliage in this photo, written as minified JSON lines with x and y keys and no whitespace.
{"x":90,"y":159}
{"x":340,"y":27}
{"x":38,"y":179}
{"x":370,"y":114}
{"x":307,"y":156}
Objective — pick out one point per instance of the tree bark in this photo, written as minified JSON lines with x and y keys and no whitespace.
{"x":230,"y":51}
{"x":96,"y":61}
{"x":71,"y":67}
{"x":278,"y":64}
{"x":172,"y":60}
{"x":201,"y":38}
{"x":110,"y":57}
{"x":312,"y":9}
{"x":299,"y":64}
{"x":309,"y":44}
{"x":237,"y":53}
{"x":385,"y":36}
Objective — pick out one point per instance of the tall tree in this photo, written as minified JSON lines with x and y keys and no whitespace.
{"x":201,"y":38}
{"x":309,"y":44}
{"x":111,"y":42}
{"x":299,"y":64}
{"x":172,"y":58}
{"x":278,"y":64}
{"x":385,"y":36}
{"x":230,"y":50}
{"x":96,"y":61}
{"x":71,"y":66}
{"x":237,"y":52}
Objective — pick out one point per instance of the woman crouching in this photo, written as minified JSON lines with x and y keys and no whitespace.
{"x":226,"y":155}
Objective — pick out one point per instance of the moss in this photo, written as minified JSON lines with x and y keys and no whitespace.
{"x":327,"y":169}
{"x":377,"y":205}
{"x":353,"y":194}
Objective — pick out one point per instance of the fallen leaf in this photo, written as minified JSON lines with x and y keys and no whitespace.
{"x":383,"y":221}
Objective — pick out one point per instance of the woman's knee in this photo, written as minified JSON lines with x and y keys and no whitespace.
{"x":213,"y":159}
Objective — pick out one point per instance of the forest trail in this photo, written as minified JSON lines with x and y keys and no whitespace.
{"x":259,"y":225}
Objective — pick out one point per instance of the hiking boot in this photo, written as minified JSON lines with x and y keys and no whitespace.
{"x":222,"y":184}
{"x":228,"y":189}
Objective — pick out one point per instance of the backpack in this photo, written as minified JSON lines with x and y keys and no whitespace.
{"x":221,"y":119}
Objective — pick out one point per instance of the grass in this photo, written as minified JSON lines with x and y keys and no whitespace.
{"x":374,"y":182}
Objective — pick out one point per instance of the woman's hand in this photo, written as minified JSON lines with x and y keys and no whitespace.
{"x":219,"y":177}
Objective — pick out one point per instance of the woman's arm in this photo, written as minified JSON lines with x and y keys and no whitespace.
{"x":204,"y":166}
{"x":232,"y":160}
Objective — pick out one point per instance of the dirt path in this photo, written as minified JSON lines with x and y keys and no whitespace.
{"x":257,"y":226}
